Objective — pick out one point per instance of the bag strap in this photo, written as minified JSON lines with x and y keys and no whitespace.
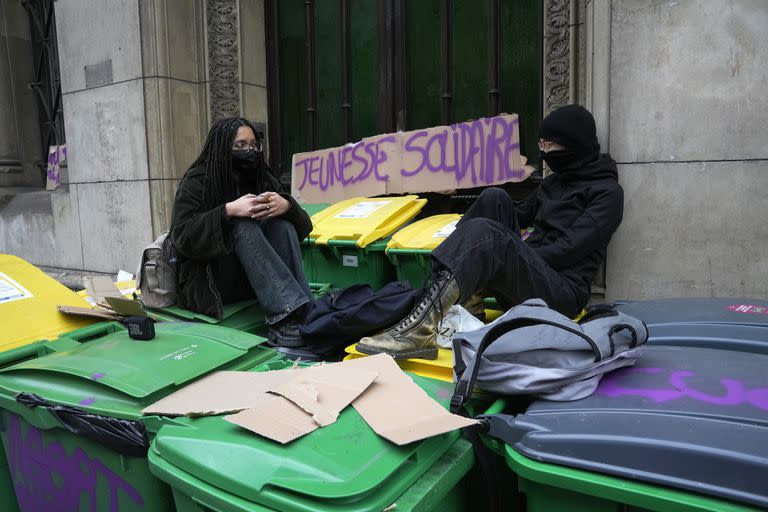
{"x":466,"y":381}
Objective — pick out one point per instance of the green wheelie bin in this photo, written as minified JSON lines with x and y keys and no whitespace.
{"x":28,"y":300}
{"x":348,"y":240}
{"x":72,"y":422}
{"x":214,"y":465}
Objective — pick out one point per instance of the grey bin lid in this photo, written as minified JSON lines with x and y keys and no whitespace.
{"x":691,"y":418}
{"x":733,"y":324}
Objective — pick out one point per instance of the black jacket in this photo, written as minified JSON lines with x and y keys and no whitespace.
{"x":201,"y":233}
{"x":574,"y":214}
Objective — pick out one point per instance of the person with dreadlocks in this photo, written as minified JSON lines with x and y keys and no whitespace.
{"x":236,"y":234}
{"x":569,"y":220}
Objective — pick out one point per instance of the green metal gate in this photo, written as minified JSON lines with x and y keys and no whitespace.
{"x":341,"y":70}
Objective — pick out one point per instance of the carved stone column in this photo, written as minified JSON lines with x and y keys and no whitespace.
{"x":557,"y":54}
{"x":223,"y":58}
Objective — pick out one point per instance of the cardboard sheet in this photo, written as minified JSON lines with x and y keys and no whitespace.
{"x":286,"y":404}
{"x":219,"y":393}
{"x":89,"y":312}
{"x":324,"y":391}
{"x":397,"y":409}
{"x":474,"y":153}
{"x":311,"y":399}
{"x":101,"y":286}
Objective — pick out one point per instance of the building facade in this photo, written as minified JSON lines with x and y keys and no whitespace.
{"x":675,"y":87}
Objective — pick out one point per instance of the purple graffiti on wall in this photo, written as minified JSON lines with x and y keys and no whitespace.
{"x":46,"y":477}
{"x":735,"y":392}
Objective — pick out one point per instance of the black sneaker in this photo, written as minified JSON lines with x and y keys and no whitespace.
{"x":285,"y":334}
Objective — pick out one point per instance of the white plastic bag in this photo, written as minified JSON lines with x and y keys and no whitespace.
{"x":456,"y":319}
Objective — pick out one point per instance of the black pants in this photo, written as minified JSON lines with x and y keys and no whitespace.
{"x":486,"y":253}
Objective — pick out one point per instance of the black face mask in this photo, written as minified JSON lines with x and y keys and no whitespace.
{"x":564,"y":159}
{"x":246,"y":159}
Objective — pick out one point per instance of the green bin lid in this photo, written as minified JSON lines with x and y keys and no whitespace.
{"x":102,"y":370}
{"x":344,"y":466}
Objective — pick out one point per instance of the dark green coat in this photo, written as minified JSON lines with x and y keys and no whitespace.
{"x":201,"y":232}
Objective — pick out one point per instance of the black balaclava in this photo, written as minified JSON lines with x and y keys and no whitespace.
{"x":573,"y":127}
{"x":248,"y":167}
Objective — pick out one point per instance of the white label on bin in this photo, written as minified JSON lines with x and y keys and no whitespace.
{"x":349,"y":260}
{"x":10,"y":290}
{"x":446,"y":230}
{"x":361,"y":210}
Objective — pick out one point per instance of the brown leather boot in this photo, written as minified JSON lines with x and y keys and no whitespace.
{"x":476,"y":306}
{"x":416,"y":335}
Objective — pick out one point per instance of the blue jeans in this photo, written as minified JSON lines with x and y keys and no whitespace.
{"x":265,"y":264}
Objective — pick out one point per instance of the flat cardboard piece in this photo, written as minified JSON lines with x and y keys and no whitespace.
{"x":475,"y":153}
{"x":219,"y":393}
{"x":101,"y":286}
{"x":89,"y":312}
{"x":324,"y":391}
{"x":397,"y":409}
{"x":125,"y":307}
{"x":311,"y":399}
{"x":275,"y":417}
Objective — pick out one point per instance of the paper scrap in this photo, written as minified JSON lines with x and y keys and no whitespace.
{"x":123,"y":275}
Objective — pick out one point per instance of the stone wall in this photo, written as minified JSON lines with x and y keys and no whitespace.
{"x":140,"y":87}
{"x":688,"y":118}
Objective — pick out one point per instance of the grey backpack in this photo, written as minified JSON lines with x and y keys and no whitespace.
{"x":156,"y":276}
{"x":534,"y":350}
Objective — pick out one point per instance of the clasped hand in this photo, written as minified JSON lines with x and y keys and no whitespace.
{"x":258,"y":207}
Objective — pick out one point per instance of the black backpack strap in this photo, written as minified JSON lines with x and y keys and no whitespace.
{"x":466,"y":380}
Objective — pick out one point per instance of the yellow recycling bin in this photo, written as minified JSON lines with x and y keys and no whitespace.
{"x":410,"y":249}
{"x":28,"y":300}
{"x":345,"y":246}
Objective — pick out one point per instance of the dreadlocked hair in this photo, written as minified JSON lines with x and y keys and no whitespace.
{"x":216,"y":156}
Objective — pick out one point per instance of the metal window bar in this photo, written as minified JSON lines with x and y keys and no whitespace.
{"x":47,"y":84}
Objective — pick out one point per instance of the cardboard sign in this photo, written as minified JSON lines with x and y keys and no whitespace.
{"x":56,"y":156}
{"x":464,"y":155}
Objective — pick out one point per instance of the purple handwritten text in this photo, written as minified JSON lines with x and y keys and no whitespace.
{"x":46,"y":477}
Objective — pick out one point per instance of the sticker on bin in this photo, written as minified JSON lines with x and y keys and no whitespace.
{"x":362,"y":210}
{"x":349,"y":260}
{"x":10,"y":290}
{"x":446,"y":230}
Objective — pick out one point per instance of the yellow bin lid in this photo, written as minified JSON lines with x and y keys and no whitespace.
{"x":28,"y":300}
{"x":426,"y":233}
{"x":440,"y":368}
{"x":364,"y":220}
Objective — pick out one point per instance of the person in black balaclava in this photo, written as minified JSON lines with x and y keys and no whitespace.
{"x":568,"y":221}
{"x":236,"y":234}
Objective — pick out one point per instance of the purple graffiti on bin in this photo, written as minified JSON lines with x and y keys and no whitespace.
{"x":735,"y":392}
{"x":46,"y":477}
